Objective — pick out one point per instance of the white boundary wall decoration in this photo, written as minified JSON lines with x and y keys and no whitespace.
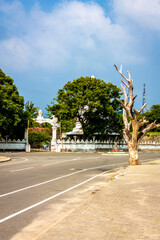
{"x":13,"y":145}
{"x":81,"y":145}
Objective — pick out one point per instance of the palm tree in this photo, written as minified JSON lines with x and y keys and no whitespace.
{"x":31,"y":112}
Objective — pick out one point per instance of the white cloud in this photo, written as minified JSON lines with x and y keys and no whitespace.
{"x":145,"y":12}
{"x":73,"y":33}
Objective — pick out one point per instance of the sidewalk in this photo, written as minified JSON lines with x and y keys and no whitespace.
{"x":126,"y":208}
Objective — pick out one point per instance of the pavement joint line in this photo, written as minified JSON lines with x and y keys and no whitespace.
{"x":54,"y":196}
{"x":55,"y":179}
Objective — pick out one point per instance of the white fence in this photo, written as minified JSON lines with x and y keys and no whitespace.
{"x":13,"y":145}
{"x":81,"y":145}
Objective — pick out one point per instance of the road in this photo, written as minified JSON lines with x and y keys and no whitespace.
{"x":39,"y":188}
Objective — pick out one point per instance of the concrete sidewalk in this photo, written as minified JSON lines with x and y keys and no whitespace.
{"x":126,"y":208}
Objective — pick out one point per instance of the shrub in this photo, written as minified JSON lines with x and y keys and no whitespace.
{"x":36,"y":139}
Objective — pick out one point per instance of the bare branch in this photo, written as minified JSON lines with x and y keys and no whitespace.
{"x":134,"y":97}
{"x":129,"y":75}
{"x":147,"y":129}
{"x":125,"y":94}
{"x":142,"y":123}
{"x":138,"y":112}
{"x":124,"y":83}
{"x":123,"y":105}
{"x":122,"y":74}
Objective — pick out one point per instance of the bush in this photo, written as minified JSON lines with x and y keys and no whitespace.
{"x":36,"y":139}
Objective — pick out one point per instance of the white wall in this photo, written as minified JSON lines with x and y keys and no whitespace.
{"x":98,"y":145}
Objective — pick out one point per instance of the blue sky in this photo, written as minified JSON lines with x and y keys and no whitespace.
{"x":45,"y":43}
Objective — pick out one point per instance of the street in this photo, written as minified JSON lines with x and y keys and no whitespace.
{"x":38,"y":188}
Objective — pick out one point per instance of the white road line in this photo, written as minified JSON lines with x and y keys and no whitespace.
{"x":52,"y":197}
{"x":22,"y":169}
{"x":76,"y":159}
{"x":55,"y":179}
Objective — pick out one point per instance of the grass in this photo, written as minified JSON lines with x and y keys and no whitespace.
{"x":116,"y":153}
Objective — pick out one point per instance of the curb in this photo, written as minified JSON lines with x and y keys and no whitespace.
{"x":4,"y":159}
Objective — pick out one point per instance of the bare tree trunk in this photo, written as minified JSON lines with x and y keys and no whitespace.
{"x":133,"y":136}
{"x":133,"y":154}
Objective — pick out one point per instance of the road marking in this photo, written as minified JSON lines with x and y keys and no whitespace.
{"x":54,"y":196}
{"x":76,"y":159}
{"x":22,"y":169}
{"x":55,"y":179}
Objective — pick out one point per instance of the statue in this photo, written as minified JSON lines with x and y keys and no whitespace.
{"x":40,"y":115}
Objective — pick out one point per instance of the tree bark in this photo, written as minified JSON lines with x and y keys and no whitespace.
{"x":133,"y":155}
{"x":139,"y":128}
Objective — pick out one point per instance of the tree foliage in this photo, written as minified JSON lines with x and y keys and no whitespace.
{"x":30,"y":112}
{"x":153,"y":114}
{"x":94,"y":102}
{"x":36,"y":139}
{"x":11,"y":109}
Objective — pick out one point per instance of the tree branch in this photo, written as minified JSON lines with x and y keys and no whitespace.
{"x":143,"y":122}
{"x":123,"y":105}
{"x":128,"y":80}
{"x":125,"y":94}
{"x":124,"y":83}
{"x":134,"y":97}
{"x":147,"y":129}
{"x":139,"y":112}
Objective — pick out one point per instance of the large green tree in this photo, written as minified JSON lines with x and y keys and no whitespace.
{"x":94,"y":102}
{"x":11,"y":109}
{"x":153,"y":114}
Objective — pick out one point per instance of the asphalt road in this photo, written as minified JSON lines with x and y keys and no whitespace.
{"x":35,"y":188}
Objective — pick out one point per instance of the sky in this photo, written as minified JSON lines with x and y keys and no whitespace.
{"x":46,"y":43}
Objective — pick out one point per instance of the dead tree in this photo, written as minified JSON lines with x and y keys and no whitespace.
{"x":134,"y":129}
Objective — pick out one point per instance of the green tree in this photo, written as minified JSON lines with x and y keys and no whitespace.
{"x":11,"y":109}
{"x":153,"y":114}
{"x":36,"y":139}
{"x":30,"y":113}
{"x":94,"y":102}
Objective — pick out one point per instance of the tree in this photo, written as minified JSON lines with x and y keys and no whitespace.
{"x":30,"y":111}
{"x":94,"y":102}
{"x":37,"y":138}
{"x":153,"y":114}
{"x":130,"y":118}
{"x":11,"y":109}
